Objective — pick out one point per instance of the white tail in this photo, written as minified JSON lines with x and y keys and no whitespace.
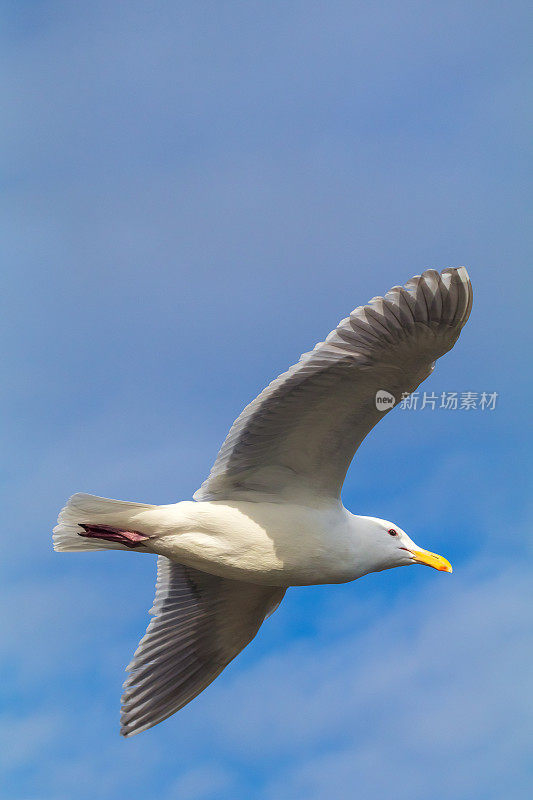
{"x":88,"y":508}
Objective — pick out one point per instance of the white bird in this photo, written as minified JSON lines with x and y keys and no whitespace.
{"x":269,"y":515}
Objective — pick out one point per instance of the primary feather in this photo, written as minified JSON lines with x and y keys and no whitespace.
{"x":201,"y":622}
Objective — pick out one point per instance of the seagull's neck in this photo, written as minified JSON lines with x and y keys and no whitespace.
{"x":371,"y":553}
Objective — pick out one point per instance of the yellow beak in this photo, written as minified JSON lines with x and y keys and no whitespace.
{"x":432,"y":560}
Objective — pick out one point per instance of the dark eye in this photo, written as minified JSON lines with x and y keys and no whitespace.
{"x":393,"y":532}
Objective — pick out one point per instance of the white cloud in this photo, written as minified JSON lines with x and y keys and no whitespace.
{"x":23,"y":738}
{"x":436,"y":691}
{"x":426,"y":695}
{"x":204,"y":782}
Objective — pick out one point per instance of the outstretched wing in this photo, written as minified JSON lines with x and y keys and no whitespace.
{"x":300,"y":434}
{"x":201,"y":623}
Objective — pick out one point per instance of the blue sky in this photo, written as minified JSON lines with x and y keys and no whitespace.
{"x":194,"y":194}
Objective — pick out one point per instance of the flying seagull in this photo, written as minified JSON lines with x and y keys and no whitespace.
{"x":269,"y":515}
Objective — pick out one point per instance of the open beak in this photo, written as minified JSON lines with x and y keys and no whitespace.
{"x":431,"y":560}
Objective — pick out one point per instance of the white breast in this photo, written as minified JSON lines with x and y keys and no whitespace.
{"x":276,"y":544}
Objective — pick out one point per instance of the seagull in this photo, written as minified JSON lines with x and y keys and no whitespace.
{"x":270,"y":516}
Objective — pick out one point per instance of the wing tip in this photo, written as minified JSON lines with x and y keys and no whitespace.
{"x":444,"y":297}
{"x":463,"y":287}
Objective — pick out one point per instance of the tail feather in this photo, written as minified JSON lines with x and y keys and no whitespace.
{"x":83,"y":509}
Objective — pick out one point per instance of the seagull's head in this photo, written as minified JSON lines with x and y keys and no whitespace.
{"x":389,"y":546}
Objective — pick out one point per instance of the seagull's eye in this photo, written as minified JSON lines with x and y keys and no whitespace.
{"x":393,"y":532}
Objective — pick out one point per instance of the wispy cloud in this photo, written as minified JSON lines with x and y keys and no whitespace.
{"x":204,"y":782}
{"x":436,"y":679}
{"x":429,"y":693}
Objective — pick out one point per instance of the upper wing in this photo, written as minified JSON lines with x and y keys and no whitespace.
{"x":201,"y":623}
{"x":300,"y":434}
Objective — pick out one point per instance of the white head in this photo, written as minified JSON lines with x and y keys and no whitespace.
{"x":386,"y":545}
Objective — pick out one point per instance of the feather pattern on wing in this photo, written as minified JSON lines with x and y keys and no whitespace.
{"x":201,"y":622}
{"x":300,"y":434}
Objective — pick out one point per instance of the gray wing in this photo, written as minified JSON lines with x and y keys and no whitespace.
{"x":201,"y":623}
{"x":300,"y":434}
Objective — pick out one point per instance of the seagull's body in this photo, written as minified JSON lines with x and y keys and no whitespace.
{"x":270,"y":544}
{"x":269,"y":516}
